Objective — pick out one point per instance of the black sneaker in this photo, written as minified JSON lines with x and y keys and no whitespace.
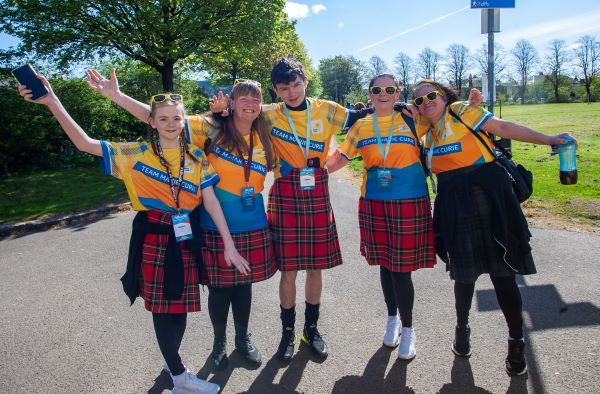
{"x":219,"y":353}
{"x":515,"y":361}
{"x":247,"y":348}
{"x":285,"y":351}
{"x":462,"y":341}
{"x":312,"y":338}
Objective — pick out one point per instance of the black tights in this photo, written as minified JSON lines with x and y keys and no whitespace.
{"x":219,"y":300}
{"x":509,"y":299}
{"x":169,"y":329}
{"x":399,"y":294}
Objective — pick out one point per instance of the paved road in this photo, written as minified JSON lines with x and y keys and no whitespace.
{"x":67,"y":327}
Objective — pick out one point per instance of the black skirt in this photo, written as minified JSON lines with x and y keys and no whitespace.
{"x":479,"y":225}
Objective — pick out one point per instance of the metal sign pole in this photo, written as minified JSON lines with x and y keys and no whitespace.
{"x":490,"y":60}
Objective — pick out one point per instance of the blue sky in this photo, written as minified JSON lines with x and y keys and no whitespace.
{"x":375,"y":27}
{"x":364,"y":28}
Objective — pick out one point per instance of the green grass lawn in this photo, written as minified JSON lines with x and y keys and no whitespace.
{"x":43,"y":193}
{"x":580,"y":201}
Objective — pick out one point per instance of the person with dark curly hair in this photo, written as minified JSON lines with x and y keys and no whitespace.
{"x":478,"y":222}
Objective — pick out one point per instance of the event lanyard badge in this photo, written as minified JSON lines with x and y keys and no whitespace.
{"x":307,"y":178}
{"x":182,"y":227}
{"x":248,"y":198}
{"x":307,"y":174}
{"x":248,"y":191}
{"x":384,"y":175}
{"x":181,"y":222}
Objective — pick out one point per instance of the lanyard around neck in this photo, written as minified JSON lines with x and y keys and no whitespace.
{"x":431,"y":142}
{"x":247,"y":163}
{"x":305,"y":152}
{"x":389,"y":138}
{"x":161,"y":157}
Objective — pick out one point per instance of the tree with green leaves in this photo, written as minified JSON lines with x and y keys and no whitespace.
{"x":255,"y":60}
{"x":340,"y":75}
{"x":158,"y":33}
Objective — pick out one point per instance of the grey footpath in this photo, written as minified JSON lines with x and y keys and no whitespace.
{"x":67,"y":327}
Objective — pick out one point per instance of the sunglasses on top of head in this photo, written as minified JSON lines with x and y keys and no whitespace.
{"x":387,"y":89}
{"x":429,"y":96}
{"x":159,"y":98}
{"x":242,"y":80}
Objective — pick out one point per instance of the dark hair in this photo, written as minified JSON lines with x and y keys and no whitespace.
{"x":231,"y":140}
{"x":376,"y":77}
{"x":286,"y":70}
{"x":152,"y":135}
{"x":359,"y":105}
{"x":449,"y":93}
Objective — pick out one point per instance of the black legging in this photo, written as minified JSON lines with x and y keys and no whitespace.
{"x":219,"y":299}
{"x":169,"y":329}
{"x":509,"y":299}
{"x":399,"y":294}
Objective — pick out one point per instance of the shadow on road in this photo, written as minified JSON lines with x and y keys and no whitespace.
{"x":546,"y":310}
{"x":291,"y":377}
{"x":374,"y":380}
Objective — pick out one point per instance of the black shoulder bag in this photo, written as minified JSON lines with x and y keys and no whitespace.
{"x":521,"y":178}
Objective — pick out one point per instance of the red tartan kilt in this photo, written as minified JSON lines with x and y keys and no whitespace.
{"x":397,"y":234}
{"x":255,"y":246}
{"x":152,"y":275}
{"x":302,"y":224}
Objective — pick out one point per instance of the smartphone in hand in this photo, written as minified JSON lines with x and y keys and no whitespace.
{"x":27,"y":76}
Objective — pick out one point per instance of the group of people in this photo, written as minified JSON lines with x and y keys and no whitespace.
{"x":196,"y":183}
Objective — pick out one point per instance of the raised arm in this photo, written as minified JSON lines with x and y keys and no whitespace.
{"x":110,"y":89}
{"x":216,"y":213}
{"x":510,"y":130}
{"x":79,"y":137}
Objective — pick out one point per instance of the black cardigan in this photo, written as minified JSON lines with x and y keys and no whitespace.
{"x":173,"y":275}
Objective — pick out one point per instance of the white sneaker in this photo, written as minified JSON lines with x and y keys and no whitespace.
{"x":188,"y":383}
{"x":407,"y":349}
{"x":391,"y":337}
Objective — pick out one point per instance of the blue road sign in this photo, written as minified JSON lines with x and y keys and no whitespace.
{"x":492,"y":4}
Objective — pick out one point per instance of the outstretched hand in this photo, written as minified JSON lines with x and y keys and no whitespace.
{"x":218,"y":104}
{"x":45,"y":100}
{"x":558,"y":139}
{"x":232,"y":257}
{"x":475,"y":97}
{"x":99,"y":83}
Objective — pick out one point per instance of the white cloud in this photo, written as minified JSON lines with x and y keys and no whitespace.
{"x":296,"y":10}
{"x":340,"y":25}
{"x":564,"y":27}
{"x":318,"y":8}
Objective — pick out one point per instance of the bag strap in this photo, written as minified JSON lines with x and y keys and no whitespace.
{"x":476,"y":134}
{"x":411,"y":125}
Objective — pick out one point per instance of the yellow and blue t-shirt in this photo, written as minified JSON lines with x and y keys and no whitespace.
{"x":408,"y":177}
{"x":327,"y":118}
{"x":230,"y":168}
{"x":455,"y":146}
{"x":146,"y":179}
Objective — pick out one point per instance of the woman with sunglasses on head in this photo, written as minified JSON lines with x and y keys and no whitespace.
{"x":166,"y":180}
{"x":479,"y":225}
{"x":394,"y":210}
{"x":239,"y":149}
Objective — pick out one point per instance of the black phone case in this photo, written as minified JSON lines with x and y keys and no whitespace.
{"x":26,"y":76}
{"x":314,"y":162}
